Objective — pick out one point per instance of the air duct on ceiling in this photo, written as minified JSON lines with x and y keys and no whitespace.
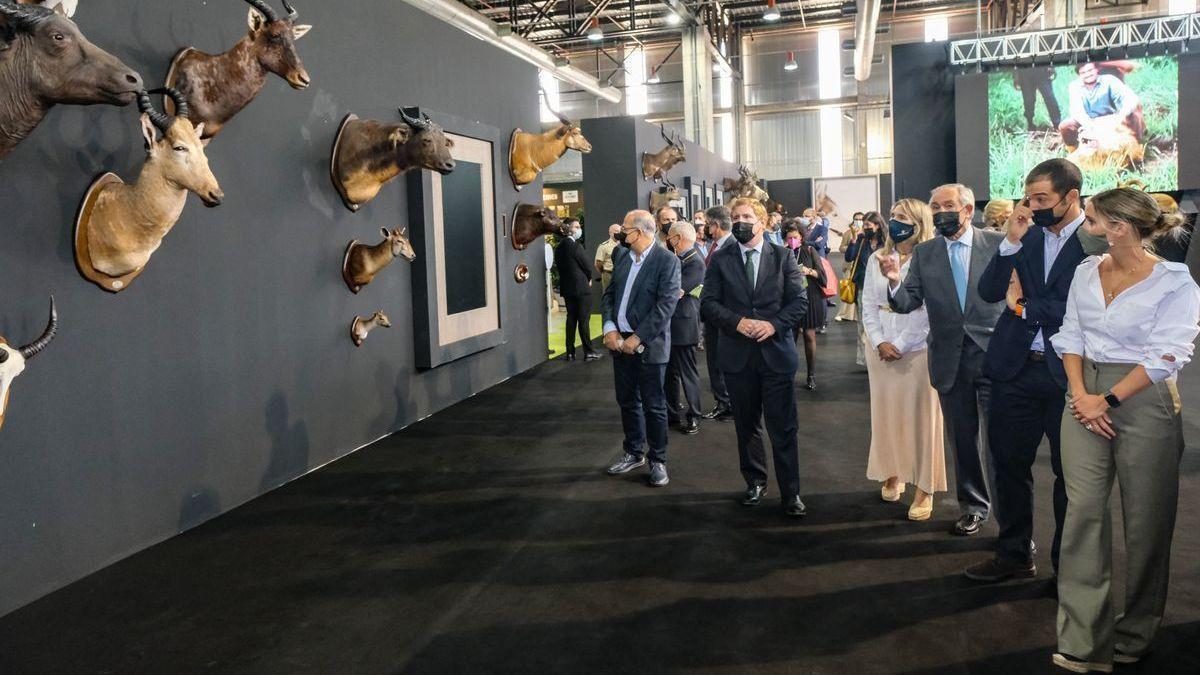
{"x":865,"y":22}
{"x":477,"y":25}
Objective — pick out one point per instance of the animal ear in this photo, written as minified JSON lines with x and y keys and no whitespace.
{"x":563,"y":131}
{"x":385,"y":232}
{"x":300,"y":31}
{"x":200,"y":130}
{"x":404,"y":230}
{"x":60,"y":10}
{"x":255,"y":21}
{"x":147,"y":131}
{"x":400,"y":135}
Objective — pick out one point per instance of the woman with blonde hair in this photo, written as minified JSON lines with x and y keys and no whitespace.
{"x":907,"y":443}
{"x":1129,"y":328}
{"x":996,"y":213}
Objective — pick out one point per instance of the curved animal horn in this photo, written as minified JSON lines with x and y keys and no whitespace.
{"x":24,"y":16}
{"x":264,"y":9}
{"x":418,"y":124}
{"x":561,"y":117}
{"x":291,"y":11}
{"x":158,"y":119}
{"x":181,"y":104}
{"x":32,"y":349}
{"x":662,"y":130}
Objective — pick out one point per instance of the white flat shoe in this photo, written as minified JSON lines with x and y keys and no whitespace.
{"x":892,"y":495}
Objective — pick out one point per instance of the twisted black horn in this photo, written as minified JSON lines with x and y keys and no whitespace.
{"x":418,"y":124}
{"x":32,"y":349}
{"x":181,"y":104}
{"x":158,"y":119}
{"x":264,"y":9}
{"x":24,"y":17}
{"x":291,"y":11}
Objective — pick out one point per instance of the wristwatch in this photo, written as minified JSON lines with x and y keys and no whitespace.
{"x":1113,"y":401}
{"x":1020,"y":311}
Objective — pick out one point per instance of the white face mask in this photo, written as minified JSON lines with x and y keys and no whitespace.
{"x":576,"y":234}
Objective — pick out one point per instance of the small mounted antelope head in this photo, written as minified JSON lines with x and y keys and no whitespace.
{"x":120,"y":225}
{"x":529,"y":154}
{"x":367,"y":154}
{"x":218,"y":87}
{"x":44,"y":61}
{"x":531,"y":221}
{"x":657,"y":165}
{"x":361,"y":263}
{"x":360,"y":327}
{"x":12,"y":361}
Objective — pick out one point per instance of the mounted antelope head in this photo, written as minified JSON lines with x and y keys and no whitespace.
{"x":529,"y":154}
{"x":119,"y":225}
{"x":12,"y":361}
{"x":218,"y":87}
{"x":361,"y":263}
{"x":44,"y":61}
{"x":531,"y":221}
{"x":658,"y":164}
{"x":663,"y":196}
{"x":360,"y":327}
{"x":747,"y":185}
{"x":367,"y":154}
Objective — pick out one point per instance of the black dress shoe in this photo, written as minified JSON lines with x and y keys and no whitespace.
{"x":996,"y":569}
{"x":571,"y":356}
{"x":794,"y":507}
{"x":591,"y":356}
{"x":811,"y":385}
{"x":690,"y":427}
{"x":754,"y":495}
{"x":720,"y":413}
{"x":968,"y":525}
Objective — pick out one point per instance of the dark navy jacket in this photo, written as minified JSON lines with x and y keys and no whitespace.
{"x":652,"y":299}
{"x":1045,"y":298}
{"x":685,"y":324}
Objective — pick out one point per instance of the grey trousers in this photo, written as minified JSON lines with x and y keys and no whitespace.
{"x":1144,"y":458}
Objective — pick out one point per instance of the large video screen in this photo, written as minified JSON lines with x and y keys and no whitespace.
{"x":1117,"y":120}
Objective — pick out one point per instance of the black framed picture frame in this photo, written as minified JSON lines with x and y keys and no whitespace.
{"x":455,"y":227}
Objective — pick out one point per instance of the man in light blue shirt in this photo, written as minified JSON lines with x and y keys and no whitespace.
{"x":1098,"y":102}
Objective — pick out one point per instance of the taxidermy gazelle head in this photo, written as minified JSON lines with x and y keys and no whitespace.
{"x":127,"y":223}
{"x":218,"y":87}
{"x":44,"y":61}
{"x":12,"y":361}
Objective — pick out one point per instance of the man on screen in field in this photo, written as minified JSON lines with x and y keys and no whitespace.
{"x":1099,"y":103}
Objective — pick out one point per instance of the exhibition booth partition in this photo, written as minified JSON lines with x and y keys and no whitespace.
{"x":333,"y":294}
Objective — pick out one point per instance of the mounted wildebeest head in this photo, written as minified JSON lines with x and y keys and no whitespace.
{"x":656,"y":165}
{"x":530,"y":154}
{"x":531,"y":221}
{"x":367,"y":154}
{"x":121,"y":225}
{"x":44,"y":61}
{"x":217,"y":87}
{"x":12,"y":361}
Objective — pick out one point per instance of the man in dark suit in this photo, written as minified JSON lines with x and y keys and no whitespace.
{"x":944,"y":277}
{"x":637,"y":308}
{"x":719,"y":226}
{"x":1029,"y":386}
{"x":754,"y":294}
{"x":575,"y":284}
{"x":685,"y":331}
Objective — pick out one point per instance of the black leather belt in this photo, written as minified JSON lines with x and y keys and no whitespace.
{"x":1037,"y":357}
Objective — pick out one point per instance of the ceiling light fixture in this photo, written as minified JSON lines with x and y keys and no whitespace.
{"x":673,"y":19}
{"x":791,"y":62}
{"x":772,"y":12}
{"x":594,"y":33}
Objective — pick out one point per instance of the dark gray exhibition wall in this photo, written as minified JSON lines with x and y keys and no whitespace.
{"x":612,"y":171}
{"x":923,"y":113}
{"x":227,"y":369}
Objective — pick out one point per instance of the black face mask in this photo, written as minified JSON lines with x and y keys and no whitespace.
{"x":900,"y":231}
{"x":743,"y":232}
{"x":1047,"y":217}
{"x":947,"y":223}
{"x":620,"y":237}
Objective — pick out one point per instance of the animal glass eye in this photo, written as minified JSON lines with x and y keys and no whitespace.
{"x":59,"y":37}
{"x":180,"y":148}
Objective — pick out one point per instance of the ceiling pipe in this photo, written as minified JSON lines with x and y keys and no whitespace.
{"x":865,"y":23}
{"x":479,"y":26}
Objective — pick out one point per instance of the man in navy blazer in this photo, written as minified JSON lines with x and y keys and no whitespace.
{"x":1041,"y":250}
{"x":636,"y":308}
{"x":754,"y":294}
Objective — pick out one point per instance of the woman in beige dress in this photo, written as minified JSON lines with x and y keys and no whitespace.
{"x":906,"y":420}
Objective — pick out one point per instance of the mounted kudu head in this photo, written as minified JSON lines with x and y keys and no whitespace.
{"x":44,"y":61}
{"x":12,"y":361}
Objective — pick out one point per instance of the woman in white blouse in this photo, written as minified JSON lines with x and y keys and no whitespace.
{"x":906,"y":419}
{"x":1130,"y":322}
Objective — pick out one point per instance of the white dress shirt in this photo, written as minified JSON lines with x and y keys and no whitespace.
{"x":757,"y":259}
{"x":1152,"y":323}
{"x":1052,"y":246}
{"x":637,"y":260}
{"x":906,"y":332}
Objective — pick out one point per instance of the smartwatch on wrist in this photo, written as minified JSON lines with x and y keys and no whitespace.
{"x":1113,"y":401}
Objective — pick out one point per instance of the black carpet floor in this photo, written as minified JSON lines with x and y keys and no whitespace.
{"x":487,"y":539}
